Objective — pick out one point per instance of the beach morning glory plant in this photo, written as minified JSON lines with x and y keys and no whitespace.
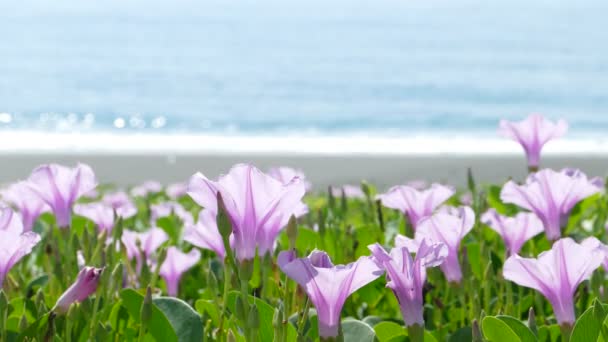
{"x":27,"y":202}
{"x":14,"y":242}
{"x":258,"y":205}
{"x":85,"y":285}
{"x":205,"y":234}
{"x":328,"y":286}
{"x":514,"y":231}
{"x":449,"y":227}
{"x":416,"y":204}
{"x":406,"y":277}
{"x":175,"y":265}
{"x":556,"y":274}
{"x":532,"y":134}
{"x":551,"y":195}
{"x":59,"y":187}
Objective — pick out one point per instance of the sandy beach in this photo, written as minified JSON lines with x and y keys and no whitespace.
{"x":321,"y":170}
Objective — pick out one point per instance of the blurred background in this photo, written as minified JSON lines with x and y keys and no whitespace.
{"x":306,"y":67}
{"x":83,"y":72}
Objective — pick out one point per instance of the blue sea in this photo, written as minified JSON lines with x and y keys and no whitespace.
{"x":313,"y":67}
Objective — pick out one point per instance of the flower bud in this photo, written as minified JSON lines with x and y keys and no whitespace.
{"x":146,"y":307}
{"x":85,"y":285}
{"x":292,"y":231}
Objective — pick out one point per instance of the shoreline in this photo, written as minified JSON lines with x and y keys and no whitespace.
{"x":321,"y":169}
{"x":130,"y":159}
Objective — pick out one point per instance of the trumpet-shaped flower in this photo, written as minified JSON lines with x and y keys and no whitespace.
{"x":556,"y":274}
{"x":592,"y":243}
{"x":175,"y":265}
{"x":257,"y":205}
{"x":286,"y":174}
{"x":21,"y":196}
{"x":146,"y":188}
{"x":177,"y":190}
{"x":84,"y":286}
{"x":60,"y":187}
{"x":146,"y":242}
{"x":551,"y":195}
{"x":101,"y":214}
{"x":14,"y":242}
{"x":532,"y":134}
{"x":205,"y":234}
{"x":121,"y":203}
{"x":448,"y":227}
{"x":515,"y":231}
{"x":165,"y":209}
{"x":328,"y":286}
{"x":416,"y":204}
{"x":349,"y":191}
{"x":406,"y":276}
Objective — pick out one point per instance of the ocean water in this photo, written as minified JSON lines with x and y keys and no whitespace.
{"x":384,"y":68}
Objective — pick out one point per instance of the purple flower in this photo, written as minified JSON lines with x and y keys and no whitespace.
{"x":146,"y":242}
{"x":83,"y":287}
{"x":286,"y":174}
{"x":592,"y":243}
{"x":328,"y":286}
{"x":532,"y":134}
{"x":177,"y":190}
{"x":414,"y":203}
{"x":350,"y":191}
{"x":466,"y":198}
{"x":406,"y":276}
{"x":101,"y":214}
{"x":205,"y":234}
{"x":9,"y":220}
{"x":120,"y":202}
{"x":515,"y":231}
{"x":60,"y":187}
{"x":551,"y":196}
{"x":448,"y":226}
{"x":258,"y":205}
{"x":177,"y":263}
{"x":418,"y":184}
{"x":165,"y":209}
{"x":21,"y":196}
{"x":556,"y":274}
{"x":14,"y":242}
{"x":147,"y":187}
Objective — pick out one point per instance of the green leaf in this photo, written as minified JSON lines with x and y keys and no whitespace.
{"x":36,"y":282}
{"x":495,"y":202}
{"x":159,"y":326}
{"x":462,"y":334}
{"x":549,"y":333}
{"x":186,"y":322}
{"x":265,"y":311}
{"x":589,"y":325}
{"x":495,"y":330}
{"x":474,"y":257}
{"x":357,"y":331}
{"x":428,"y":337}
{"x":385,"y":331}
{"x":209,"y":307}
{"x":522,"y":330}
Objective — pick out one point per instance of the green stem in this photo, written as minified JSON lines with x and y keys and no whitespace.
{"x":566,"y":330}
{"x":245,"y":295}
{"x":142,"y":333}
{"x":304,"y":317}
{"x":68,"y":329}
{"x":227,"y":281}
{"x":94,"y":317}
{"x":416,"y":333}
